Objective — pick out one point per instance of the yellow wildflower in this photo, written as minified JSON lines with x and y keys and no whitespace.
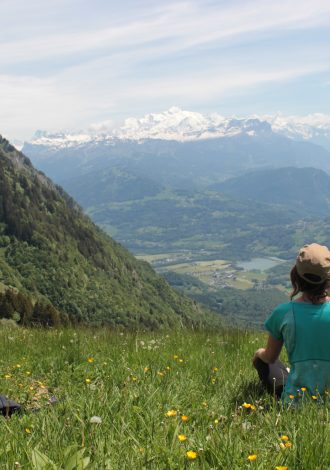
{"x":184,"y":418}
{"x":215,"y":369}
{"x":28,"y":430}
{"x":180,"y":360}
{"x":168,"y":368}
{"x":281,"y":467}
{"x":284,"y":438}
{"x":146,"y":369}
{"x":175,"y":356}
{"x":170,"y":413}
{"x":88,"y":381}
{"x":248,"y":406}
{"x":191,"y":454}
{"x":288,"y":445}
{"x":252,"y":457}
{"x":161,"y":374}
{"x":216,"y":421}
{"x":90,"y":360}
{"x":303,"y":389}
{"x":291,"y":397}
{"x":182,"y":437}
{"x":18,"y":366}
{"x":314,"y":397}
{"x":7,"y":376}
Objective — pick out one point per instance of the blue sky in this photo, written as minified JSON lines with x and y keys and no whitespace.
{"x":66,"y":64}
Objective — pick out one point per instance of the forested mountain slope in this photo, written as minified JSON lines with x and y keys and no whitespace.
{"x":57,"y":266}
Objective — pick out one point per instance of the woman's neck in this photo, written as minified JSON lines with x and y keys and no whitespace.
{"x":305,"y":298}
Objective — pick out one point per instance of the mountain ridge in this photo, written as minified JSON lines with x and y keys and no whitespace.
{"x":305,"y":189}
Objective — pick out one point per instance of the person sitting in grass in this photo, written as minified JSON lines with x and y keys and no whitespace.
{"x":303,"y":326}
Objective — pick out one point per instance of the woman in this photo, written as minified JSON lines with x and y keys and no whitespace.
{"x":303,"y":326}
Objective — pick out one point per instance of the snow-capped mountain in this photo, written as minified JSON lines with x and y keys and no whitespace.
{"x":179,"y":125}
{"x":176,"y":124}
{"x":173,"y":124}
{"x":313,"y":127}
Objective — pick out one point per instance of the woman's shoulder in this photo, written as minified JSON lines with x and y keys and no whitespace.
{"x":283,"y":308}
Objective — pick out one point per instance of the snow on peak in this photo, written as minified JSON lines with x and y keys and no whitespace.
{"x":172,"y":124}
{"x":177,"y":124}
{"x":310,"y":127}
{"x":60,"y":139}
{"x":181,"y":125}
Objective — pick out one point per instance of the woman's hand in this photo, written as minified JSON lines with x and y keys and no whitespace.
{"x":259,"y":354}
{"x":271,"y":352}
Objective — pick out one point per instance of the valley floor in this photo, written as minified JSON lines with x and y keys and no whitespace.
{"x":167,"y":400}
{"x":216,"y":273}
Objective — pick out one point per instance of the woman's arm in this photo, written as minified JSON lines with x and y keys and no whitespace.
{"x":271,"y":352}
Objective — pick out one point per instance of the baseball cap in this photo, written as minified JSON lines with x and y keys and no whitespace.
{"x":313,"y":263}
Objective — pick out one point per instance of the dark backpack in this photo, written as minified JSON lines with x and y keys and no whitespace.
{"x":8,"y":407}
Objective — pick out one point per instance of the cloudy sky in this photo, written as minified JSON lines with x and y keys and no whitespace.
{"x":65,"y":64}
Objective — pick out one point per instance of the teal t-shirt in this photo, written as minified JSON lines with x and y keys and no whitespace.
{"x":305,"y":330}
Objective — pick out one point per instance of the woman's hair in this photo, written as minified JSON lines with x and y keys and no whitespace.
{"x":315,"y":292}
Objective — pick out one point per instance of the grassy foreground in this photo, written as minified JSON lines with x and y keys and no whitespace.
{"x":149,"y":401}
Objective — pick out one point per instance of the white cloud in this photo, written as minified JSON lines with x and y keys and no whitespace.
{"x":27,"y":102}
{"x":180,"y":25}
{"x":57,"y":72}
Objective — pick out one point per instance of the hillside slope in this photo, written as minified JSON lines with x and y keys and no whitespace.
{"x":305,"y":189}
{"x":63,"y":266}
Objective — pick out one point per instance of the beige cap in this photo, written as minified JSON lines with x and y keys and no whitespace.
{"x":313,"y":263}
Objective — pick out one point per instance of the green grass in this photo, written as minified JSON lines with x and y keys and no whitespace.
{"x":131,"y":382}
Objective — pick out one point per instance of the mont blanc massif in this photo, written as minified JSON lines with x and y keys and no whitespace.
{"x":216,"y":205}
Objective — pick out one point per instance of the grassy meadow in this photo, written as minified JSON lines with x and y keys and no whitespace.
{"x":175,"y":400}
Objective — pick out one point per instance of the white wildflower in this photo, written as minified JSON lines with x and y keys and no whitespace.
{"x":96,"y":420}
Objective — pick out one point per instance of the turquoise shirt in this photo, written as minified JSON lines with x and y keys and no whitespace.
{"x":305,"y":330}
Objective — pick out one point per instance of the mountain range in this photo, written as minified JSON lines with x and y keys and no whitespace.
{"x":188,"y":164}
{"x":228,"y":186}
{"x":181,"y":125}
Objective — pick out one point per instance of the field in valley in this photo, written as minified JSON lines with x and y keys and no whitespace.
{"x":216,"y":273}
{"x":166,"y":400}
